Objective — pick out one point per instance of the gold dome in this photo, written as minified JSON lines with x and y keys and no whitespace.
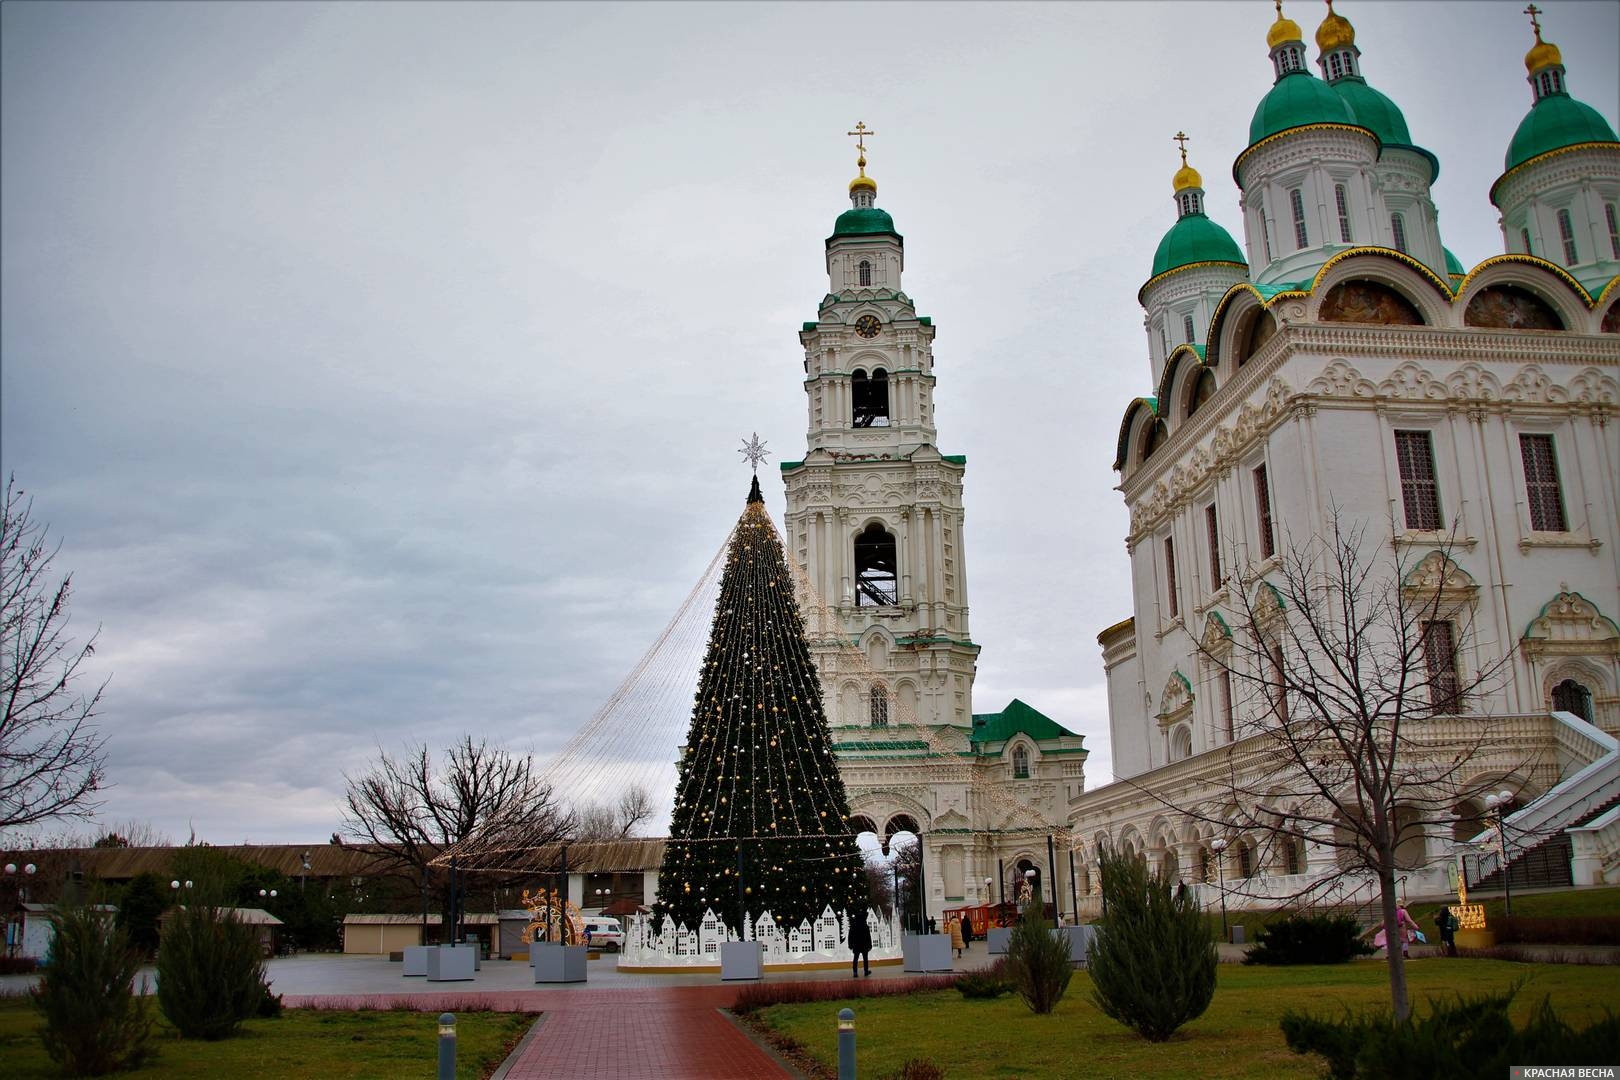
{"x":863,"y":182}
{"x":1186,"y":177}
{"x":1542,"y":54}
{"x":1335,"y":32}
{"x":1284,"y":29}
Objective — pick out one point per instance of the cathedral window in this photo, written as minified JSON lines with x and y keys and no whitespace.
{"x":1187,"y":328}
{"x":1212,"y":526}
{"x":879,"y":699}
{"x":1277,"y":678}
{"x":1610,"y":215}
{"x":1420,"y":491}
{"x":1440,"y":662}
{"x":1265,"y":234}
{"x":1245,"y":859}
{"x":1153,"y":438}
{"x":1170,"y":576}
{"x":1397,"y":231}
{"x":1336,"y":66}
{"x":1566,"y":230}
{"x":875,"y":563}
{"x":1164,"y":341}
{"x":1548,"y":82}
{"x":1262,"y":501}
{"x":869,"y":398}
{"x":1020,"y":763}
{"x":1226,"y":703}
{"x":1524,"y":238}
{"x":1571,"y":697}
{"x":1541,"y":483}
{"x":1180,"y":743}
{"x":1297,"y":200}
{"x":1203,"y":388}
{"x":1343,"y":204}
{"x":864,"y":271}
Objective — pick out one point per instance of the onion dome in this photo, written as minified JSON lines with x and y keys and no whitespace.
{"x":1454,"y":266}
{"x":1556,"y":120}
{"x":863,"y":218}
{"x":1186,"y":178}
{"x":1284,"y":29}
{"x":1335,"y":32}
{"x":1297,"y":100}
{"x":1193,"y":238}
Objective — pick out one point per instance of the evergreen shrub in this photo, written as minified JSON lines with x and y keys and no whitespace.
{"x":1309,"y":939}
{"x":1152,"y":962}
{"x":210,"y":977}
{"x":140,"y":910}
{"x":985,"y":983}
{"x":1038,"y":962}
{"x":1458,"y":1039}
{"x":94,"y":1021}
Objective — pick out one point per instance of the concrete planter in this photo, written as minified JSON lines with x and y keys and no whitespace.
{"x":558,"y":963}
{"x":926,"y":952}
{"x":1079,"y":938}
{"x":416,"y":960}
{"x":450,"y":964}
{"x":741,"y":960}
{"x":997,"y":939}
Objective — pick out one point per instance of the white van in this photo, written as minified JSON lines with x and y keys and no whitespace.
{"x":603,"y":932}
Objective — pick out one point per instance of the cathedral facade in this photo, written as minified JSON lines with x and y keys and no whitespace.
{"x":875,"y":521}
{"x":1341,"y":364}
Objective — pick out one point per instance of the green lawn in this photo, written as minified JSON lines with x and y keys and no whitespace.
{"x":301,"y":1043}
{"x":1237,"y":1037}
{"x":1564,"y":903}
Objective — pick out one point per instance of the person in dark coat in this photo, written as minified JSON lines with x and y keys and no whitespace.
{"x":860,"y":944}
{"x":1448,"y":929}
{"x":967,"y":930}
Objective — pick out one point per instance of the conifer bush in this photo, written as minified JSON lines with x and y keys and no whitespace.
{"x":95,"y":1023}
{"x":1037,"y":960}
{"x":1309,"y":939}
{"x":1152,"y":962}
{"x":210,"y":977}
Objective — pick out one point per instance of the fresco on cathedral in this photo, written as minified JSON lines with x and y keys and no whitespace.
{"x":1611,"y":320}
{"x":1368,"y":302}
{"x":1509,"y":307}
{"x":1258,"y":332}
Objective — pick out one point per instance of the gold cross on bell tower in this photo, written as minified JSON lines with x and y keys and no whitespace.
{"x":1180,"y":137}
{"x":861,"y":132}
{"x":1535,"y":23}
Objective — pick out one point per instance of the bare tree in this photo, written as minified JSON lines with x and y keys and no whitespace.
{"x":599,"y":822}
{"x":51,"y":754}
{"x":408,"y":809}
{"x":1345,"y":679}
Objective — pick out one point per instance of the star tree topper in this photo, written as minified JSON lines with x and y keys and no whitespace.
{"x":754,"y":452}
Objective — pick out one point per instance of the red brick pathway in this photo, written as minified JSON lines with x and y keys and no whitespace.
{"x":667,"y":1032}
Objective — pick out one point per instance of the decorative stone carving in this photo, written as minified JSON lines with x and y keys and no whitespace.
{"x":1176,"y":701}
{"x":1571,"y":625}
{"x":1437,"y":573}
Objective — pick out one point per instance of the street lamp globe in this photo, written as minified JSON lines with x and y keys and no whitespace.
{"x":1217,"y":846}
{"x":174,"y":884}
{"x":11,"y":868}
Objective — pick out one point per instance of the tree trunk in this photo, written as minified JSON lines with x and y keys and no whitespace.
{"x":1392,"y":940}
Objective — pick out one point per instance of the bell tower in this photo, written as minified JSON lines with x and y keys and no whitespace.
{"x":874,"y":511}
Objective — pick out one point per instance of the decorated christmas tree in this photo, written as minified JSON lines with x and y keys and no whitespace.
{"x":761,"y":821}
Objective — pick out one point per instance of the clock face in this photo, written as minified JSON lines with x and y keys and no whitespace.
{"x":867,"y":326}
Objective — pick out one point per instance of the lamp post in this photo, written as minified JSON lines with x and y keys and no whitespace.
{"x":1499,"y":802}
{"x":1029,"y":880}
{"x":1218,"y":846}
{"x":14,"y":938}
{"x":267,"y":894}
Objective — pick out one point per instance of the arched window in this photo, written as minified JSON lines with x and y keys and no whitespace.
{"x":1020,"y":763}
{"x":1397,"y":229}
{"x":1202,"y":389}
{"x":1180,"y":743}
{"x":1609,"y":215}
{"x":1153,"y":438}
{"x":1187,"y":329}
{"x":869,"y":398}
{"x":1293,"y":855}
{"x":1164,"y":341}
{"x":865,"y":272}
{"x":1524,"y":237}
{"x":1255,"y":333}
{"x":875,"y":568}
{"x":1245,"y":859}
{"x":1297,"y":201}
{"x":1571,"y":697}
{"x":880,"y":707}
{"x":1566,"y":230}
{"x":1343,"y":204}
{"x":1265,"y":233}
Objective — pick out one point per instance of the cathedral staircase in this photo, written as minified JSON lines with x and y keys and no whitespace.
{"x":1544,"y":866}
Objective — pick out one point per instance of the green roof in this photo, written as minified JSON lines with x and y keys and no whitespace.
{"x":1375,"y":112}
{"x":864,"y":221}
{"x":1195,"y":239}
{"x":1016,"y":717}
{"x":811,"y":325}
{"x":1299,"y":98}
{"x":1554,"y":122}
{"x":1454,"y":266}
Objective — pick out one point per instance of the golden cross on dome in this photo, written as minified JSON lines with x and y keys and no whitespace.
{"x":754,"y":452}
{"x":1279,"y":9}
{"x":1181,"y":137}
{"x":1535,"y":23}
{"x":861,"y":132}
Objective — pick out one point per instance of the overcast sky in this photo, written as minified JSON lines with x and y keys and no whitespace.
{"x":381,"y":366}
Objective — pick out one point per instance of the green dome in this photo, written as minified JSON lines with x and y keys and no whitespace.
{"x":864,"y":221}
{"x":1373,"y":110}
{"x":1195,"y":239}
{"x":1554,"y":122}
{"x":1454,"y":266}
{"x":1298,"y":99}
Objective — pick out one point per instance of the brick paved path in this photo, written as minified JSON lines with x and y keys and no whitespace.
{"x":666,"y":1032}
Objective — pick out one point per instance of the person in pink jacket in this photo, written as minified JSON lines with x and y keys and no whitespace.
{"x":1405,"y":928}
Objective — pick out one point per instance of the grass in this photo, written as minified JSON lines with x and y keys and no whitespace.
{"x":1568,"y":903}
{"x":300,"y":1043}
{"x":1237,"y":1037}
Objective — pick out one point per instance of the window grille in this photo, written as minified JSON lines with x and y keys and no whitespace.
{"x":1297,"y":201}
{"x":1187,"y":328}
{"x":1571,"y":697}
{"x":1265,"y":234}
{"x":1440,"y":660}
{"x":865,"y":270}
{"x":1541,"y":485}
{"x":880,"y":707}
{"x":1170,"y":575}
{"x":1227,"y":706}
{"x":1420,"y":492}
{"x":1397,"y":229}
{"x":1524,"y":237}
{"x":1614,"y":229}
{"x":1262,"y":499}
{"x":1020,"y":763}
{"x":1343,"y":203}
{"x":1566,"y":230}
{"x":1212,"y":525}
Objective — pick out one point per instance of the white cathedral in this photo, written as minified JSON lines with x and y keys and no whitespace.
{"x":1341,"y":357}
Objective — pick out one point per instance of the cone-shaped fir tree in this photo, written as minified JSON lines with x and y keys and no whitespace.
{"x":761,"y":821}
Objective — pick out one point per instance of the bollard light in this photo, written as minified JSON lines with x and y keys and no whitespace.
{"x":846,"y":1044}
{"x":447,"y":1025}
{"x":846,"y":1019}
{"x":447,"y":1046}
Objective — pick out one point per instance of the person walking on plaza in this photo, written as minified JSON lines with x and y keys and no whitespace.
{"x":956,"y":935}
{"x":860,"y":944}
{"x":1447,"y":922}
{"x":1405,"y":929}
{"x":967,"y":930}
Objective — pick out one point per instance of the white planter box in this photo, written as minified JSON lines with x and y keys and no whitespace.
{"x":416,"y":959}
{"x":557,"y":963}
{"x":742,"y":960}
{"x":926,"y":952}
{"x":1079,"y":940}
{"x":998,"y":938}
{"x":450,"y":964}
